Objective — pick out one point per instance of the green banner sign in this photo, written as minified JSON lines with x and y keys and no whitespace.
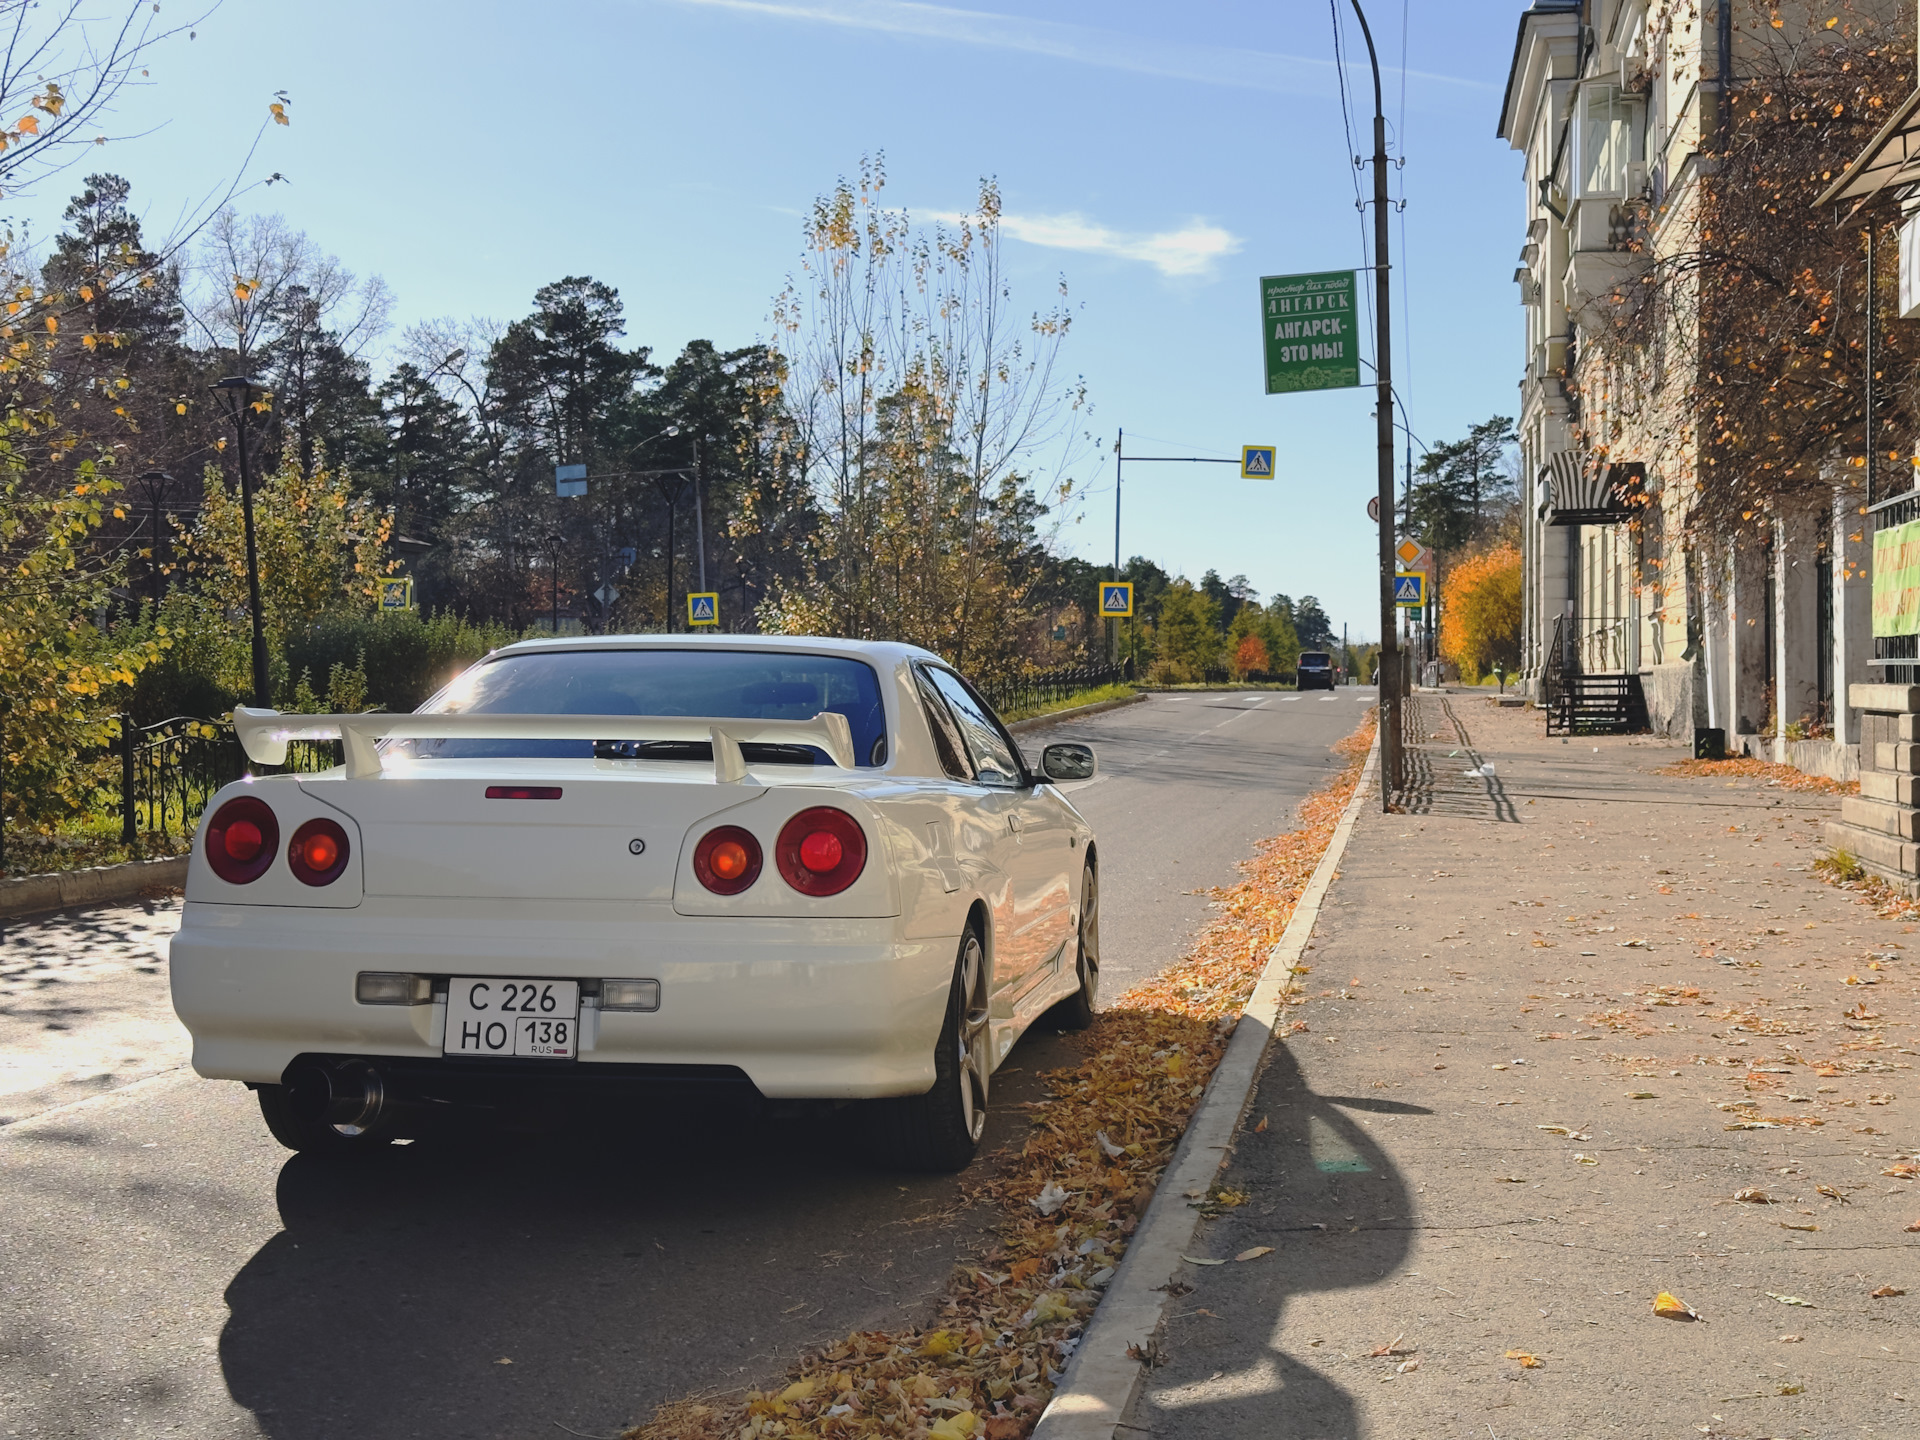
{"x":1896,"y":580}
{"x":1310,"y":331}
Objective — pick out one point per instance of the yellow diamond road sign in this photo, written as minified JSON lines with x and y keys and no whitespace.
{"x":1412,"y":554}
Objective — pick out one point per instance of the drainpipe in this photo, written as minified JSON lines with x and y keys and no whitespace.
{"x":1723,"y":43}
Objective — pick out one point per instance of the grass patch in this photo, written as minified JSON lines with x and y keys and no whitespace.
{"x":986,"y":1367}
{"x":78,"y":844}
{"x":1840,"y":868}
{"x":1095,"y":696}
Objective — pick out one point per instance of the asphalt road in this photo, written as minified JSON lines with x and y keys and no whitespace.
{"x":167,"y":1270}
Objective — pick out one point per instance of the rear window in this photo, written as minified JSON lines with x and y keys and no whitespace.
{"x":716,"y":684}
{"x":1316,"y":659}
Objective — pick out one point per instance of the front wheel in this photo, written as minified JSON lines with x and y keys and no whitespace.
{"x":941,"y":1129}
{"x":1077,"y":1010}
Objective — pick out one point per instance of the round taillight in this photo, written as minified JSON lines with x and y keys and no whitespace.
{"x":318,"y":852}
{"x":242,"y":839}
{"x":821,"y":851}
{"x":727,"y":860}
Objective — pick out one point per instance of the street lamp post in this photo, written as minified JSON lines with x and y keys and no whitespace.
{"x":1390,"y":677}
{"x":155,"y":483}
{"x":236,"y":392}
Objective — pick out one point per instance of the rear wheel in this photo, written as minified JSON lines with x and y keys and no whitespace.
{"x":1076,"y":1011}
{"x":293,"y":1127}
{"x":941,"y":1129}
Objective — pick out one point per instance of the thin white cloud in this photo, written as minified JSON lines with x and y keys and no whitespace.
{"x":1080,"y":44}
{"x":1190,"y":250}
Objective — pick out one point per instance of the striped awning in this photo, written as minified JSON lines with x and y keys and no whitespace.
{"x":1573,"y":493}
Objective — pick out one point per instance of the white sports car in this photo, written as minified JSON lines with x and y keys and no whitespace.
{"x":819,"y":866}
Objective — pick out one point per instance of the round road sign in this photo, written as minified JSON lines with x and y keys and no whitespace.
{"x":1373,"y":509}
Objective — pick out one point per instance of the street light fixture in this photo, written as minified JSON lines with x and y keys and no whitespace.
{"x":236,"y":393}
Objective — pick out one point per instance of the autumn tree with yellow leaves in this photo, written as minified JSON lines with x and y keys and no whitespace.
{"x":1480,"y":623}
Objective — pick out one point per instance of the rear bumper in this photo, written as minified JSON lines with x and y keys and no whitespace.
{"x":805,"y":1010}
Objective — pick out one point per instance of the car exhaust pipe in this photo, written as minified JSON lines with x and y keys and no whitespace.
{"x":354,"y":1094}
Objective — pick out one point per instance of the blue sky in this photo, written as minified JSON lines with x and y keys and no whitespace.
{"x":1161,"y":158}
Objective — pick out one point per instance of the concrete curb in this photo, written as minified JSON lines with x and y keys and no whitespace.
{"x":1078,"y":712}
{"x":1102,"y":1376}
{"x":96,"y":885}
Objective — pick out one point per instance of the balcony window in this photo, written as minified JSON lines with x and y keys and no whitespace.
{"x":1605,"y":138}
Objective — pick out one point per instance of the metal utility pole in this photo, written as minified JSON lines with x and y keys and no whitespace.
{"x":553,"y":565}
{"x":1119,"y":456}
{"x":1390,"y":677}
{"x":699,"y":523}
{"x":237,"y":391}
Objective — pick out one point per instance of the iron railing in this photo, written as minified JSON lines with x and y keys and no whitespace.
{"x":169,"y":770}
{"x":1031,"y":692}
{"x":1895,"y":655}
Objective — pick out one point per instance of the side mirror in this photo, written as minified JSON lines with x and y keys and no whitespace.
{"x":1067,"y":761}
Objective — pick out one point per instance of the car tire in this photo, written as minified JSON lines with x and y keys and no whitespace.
{"x":314,"y":1137}
{"x":941,"y":1130}
{"x":1076,"y":1012}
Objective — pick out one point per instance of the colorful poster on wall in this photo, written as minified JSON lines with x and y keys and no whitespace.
{"x":1896,"y":580}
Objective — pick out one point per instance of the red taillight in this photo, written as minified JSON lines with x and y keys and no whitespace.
{"x":523,"y":792}
{"x":317,"y":854}
{"x":727,"y":860}
{"x":821,"y":851}
{"x":242,"y":839}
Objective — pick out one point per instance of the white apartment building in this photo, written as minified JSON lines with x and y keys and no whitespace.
{"x":1615,"y":105}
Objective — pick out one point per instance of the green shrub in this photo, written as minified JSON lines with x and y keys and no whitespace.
{"x":390,"y":660}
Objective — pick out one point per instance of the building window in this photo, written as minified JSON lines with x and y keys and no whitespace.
{"x":1605,"y":140}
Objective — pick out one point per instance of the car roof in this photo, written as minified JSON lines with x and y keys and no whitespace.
{"x":889,"y":653}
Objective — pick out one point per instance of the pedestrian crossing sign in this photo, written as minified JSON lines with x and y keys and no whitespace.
{"x":1256,"y":462}
{"x":1409,"y":590}
{"x":703,"y":609}
{"x":396,"y":593}
{"x":1116,"y":597}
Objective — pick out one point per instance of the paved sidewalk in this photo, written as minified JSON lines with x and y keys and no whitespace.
{"x":1556,"y":1021}
{"x":84,"y":1006}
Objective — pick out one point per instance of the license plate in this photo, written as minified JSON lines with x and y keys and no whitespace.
{"x":526,"y":1019}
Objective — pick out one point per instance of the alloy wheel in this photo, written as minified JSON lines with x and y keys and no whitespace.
{"x":976,"y":1039}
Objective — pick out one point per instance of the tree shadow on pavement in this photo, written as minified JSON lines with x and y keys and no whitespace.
{"x":499,"y":1284}
{"x":1338,"y":1217}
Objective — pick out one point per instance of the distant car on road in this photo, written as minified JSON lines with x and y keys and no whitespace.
{"x":819,"y":868}
{"x":1314,"y":671}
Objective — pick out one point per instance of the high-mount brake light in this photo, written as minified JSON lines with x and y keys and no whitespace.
{"x":242,"y":838}
{"x":821,"y":851}
{"x":727,"y":860}
{"x":318,"y":852}
{"x":523,"y":792}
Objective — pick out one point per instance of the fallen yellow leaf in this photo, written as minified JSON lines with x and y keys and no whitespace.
{"x":1670,"y":1306}
{"x":1527,"y":1361}
{"x":1255,"y":1253}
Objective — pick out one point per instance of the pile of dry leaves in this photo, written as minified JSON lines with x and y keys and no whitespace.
{"x":1069,"y":1200}
{"x":1785,"y":776}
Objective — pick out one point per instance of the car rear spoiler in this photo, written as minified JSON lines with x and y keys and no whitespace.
{"x":264,"y":734}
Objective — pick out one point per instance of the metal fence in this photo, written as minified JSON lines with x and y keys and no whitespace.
{"x":1031,"y":692}
{"x":168,"y":771}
